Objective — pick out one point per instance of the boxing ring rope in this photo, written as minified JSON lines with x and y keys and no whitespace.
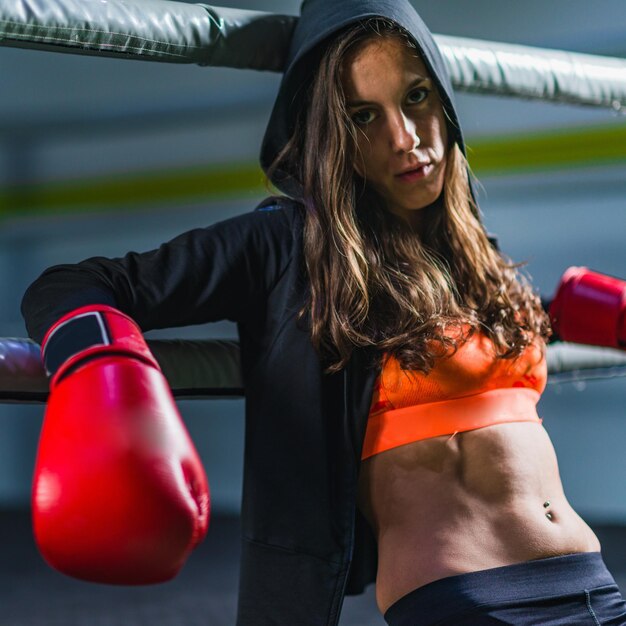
{"x":175,"y":32}
{"x":211,"y":368}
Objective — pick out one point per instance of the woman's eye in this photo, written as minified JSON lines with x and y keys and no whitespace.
{"x":363,"y":117}
{"x":418,"y":95}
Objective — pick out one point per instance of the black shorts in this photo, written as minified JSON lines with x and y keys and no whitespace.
{"x":574,"y":590}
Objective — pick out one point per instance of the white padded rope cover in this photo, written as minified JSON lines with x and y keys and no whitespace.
{"x":161,"y":30}
{"x":203,"y":368}
{"x":211,"y":368}
{"x":535,"y":73}
{"x":154,"y":30}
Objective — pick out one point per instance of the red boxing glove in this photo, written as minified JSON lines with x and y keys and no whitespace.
{"x":590,"y":308}
{"x":119,"y":492}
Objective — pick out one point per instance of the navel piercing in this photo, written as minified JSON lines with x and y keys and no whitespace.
{"x":546,"y":504}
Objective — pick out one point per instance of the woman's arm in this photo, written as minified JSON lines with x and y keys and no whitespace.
{"x":119,"y":492}
{"x":203,"y":275}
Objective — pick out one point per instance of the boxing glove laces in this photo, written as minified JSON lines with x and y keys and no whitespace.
{"x":119,"y":492}
{"x":590,"y":308}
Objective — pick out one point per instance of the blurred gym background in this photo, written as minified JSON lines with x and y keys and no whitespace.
{"x":99,"y":156}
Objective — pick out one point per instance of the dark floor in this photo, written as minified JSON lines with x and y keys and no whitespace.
{"x":204,"y":593}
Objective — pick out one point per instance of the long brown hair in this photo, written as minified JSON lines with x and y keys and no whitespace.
{"x":374,"y":281}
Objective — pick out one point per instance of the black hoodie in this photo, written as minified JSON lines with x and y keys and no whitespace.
{"x":319,"y":23}
{"x":304,"y":543}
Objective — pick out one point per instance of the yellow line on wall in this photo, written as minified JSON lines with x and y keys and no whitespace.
{"x":135,"y":190}
{"x":554,"y":150}
{"x":557,"y":149}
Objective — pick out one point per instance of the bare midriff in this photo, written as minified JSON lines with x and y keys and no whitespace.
{"x":472,"y":501}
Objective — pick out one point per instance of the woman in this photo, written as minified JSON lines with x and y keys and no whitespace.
{"x":367,"y":294}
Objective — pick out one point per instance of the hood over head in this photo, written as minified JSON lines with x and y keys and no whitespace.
{"x":319,"y":21}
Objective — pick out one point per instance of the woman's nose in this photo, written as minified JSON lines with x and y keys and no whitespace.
{"x":404,"y":137}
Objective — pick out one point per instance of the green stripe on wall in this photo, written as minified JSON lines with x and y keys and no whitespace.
{"x":560,"y":149}
{"x":135,"y":190}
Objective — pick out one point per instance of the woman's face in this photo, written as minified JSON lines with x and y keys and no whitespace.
{"x":400,"y":125}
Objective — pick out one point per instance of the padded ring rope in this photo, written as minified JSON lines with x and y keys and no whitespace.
{"x":177,"y":32}
{"x":211,"y":368}
{"x":203,"y":368}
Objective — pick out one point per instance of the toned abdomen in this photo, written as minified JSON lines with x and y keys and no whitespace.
{"x":479,"y":499}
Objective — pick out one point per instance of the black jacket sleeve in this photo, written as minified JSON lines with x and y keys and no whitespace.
{"x":204,"y":275}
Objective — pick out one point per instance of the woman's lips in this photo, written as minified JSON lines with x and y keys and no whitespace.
{"x":415,"y":174}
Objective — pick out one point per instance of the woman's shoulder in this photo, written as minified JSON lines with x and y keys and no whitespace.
{"x":276,"y":216}
{"x":291,"y":210}
{"x":275,"y":222}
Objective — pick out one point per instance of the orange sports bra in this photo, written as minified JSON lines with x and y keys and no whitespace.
{"x":470,"y":389}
